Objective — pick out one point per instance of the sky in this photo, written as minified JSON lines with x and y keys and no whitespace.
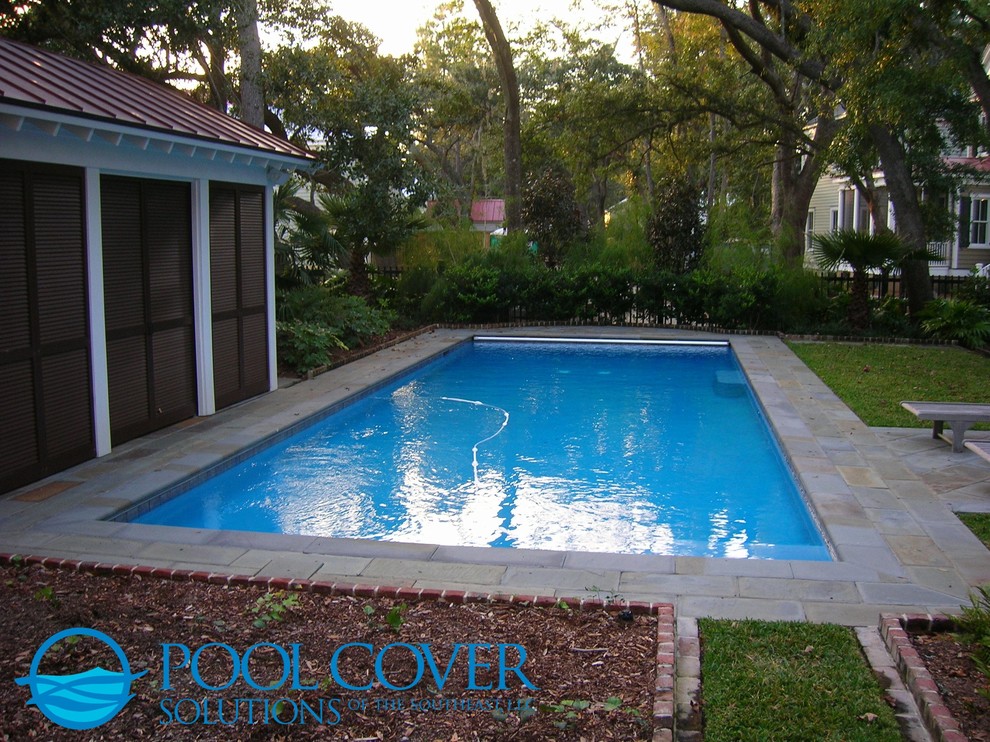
{"x":395,"y":21}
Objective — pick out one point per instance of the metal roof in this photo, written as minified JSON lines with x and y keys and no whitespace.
{"x":44,"y":80}
{"x":488,"y":210}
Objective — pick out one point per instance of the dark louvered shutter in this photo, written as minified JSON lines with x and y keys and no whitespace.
{"x":239,"y":285}
{"x":965,"y":204}
{"x":45,"y":390}
{"x":147,"y":273}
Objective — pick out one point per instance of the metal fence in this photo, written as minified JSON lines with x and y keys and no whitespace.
{"x":943,"y":287}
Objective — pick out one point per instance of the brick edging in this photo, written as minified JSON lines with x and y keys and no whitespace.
{"x":663,"y":700}
{"x":894,"y":629}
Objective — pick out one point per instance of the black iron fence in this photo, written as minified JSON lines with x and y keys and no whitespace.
{"x":943,"y":287}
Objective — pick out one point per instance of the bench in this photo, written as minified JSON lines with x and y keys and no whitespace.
{"x":980,"y":448}
{"x":959,"y":416}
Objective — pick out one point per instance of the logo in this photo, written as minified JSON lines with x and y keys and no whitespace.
{"x":82,"y":700}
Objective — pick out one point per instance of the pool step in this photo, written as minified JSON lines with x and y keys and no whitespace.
{"x":730,"y":383}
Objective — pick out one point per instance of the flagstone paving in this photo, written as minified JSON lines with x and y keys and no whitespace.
{"x":884,"y":498}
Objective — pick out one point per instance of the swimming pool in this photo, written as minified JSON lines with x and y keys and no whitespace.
{"x":628,"y":448}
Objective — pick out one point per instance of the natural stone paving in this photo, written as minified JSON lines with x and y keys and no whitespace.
{"x":883,"y":497}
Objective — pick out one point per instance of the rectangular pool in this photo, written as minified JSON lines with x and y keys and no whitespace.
{"x":616,"y":447}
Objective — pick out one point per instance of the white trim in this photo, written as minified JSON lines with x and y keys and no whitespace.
{"x":270,"y":285}
{"x":202,"y":297}
{"x":99,"y":373}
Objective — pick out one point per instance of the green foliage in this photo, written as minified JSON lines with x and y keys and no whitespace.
{"x":676,"y":231}
{"x":963,"y":321}
{"x":303,"y":346}
{"x":47,"y":594}
{"x":974,"y":625}
{"x":569,"y":710}
{"x":767,"y":680}
{"x":314,"y":321}
{"x":395,"y":617}
{"x":976,"y":289}
{"x":273,"y":606}
{"x":550,"y":213}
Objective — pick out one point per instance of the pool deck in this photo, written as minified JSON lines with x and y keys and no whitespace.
{"x":884,"y":497}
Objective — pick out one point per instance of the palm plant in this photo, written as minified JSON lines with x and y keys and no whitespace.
{"x":306,"y":243}
{"x":864,"y":252}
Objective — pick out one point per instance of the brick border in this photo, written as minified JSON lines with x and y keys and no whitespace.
{"x":663,"y":698}
{"x":894,"y":628}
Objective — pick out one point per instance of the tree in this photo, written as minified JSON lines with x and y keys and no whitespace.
{"x":551,"y":214}
{"x":894,"y":65}
{"x":357,"y":107}
{"x":457,"y":104}
{"x":252,"y":103}
{"x":512,"y":122}
{"x":676,"y":231}
{"x":585,"y":112}
{"x":768,"y":39}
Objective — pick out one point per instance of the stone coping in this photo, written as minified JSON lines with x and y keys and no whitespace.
{"x":899,"y":548}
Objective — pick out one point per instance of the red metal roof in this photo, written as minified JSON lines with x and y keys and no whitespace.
{"x":488,"y":210}
{"x":40,"y":79}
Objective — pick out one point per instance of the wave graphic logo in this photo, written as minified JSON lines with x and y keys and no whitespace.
{"x":82,"y":700}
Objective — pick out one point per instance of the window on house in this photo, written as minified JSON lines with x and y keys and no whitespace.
{"x":978,"y":220}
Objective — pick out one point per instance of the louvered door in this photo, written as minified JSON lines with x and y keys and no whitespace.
{"x":147,"y":273}
{"x":45,"y":390}
{"x":238,"y":278}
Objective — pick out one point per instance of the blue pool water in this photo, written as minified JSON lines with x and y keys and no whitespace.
{"x":618,"y":448}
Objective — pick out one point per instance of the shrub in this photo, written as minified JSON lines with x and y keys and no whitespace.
{"x":963,"y":321}
{"x":305,"y":345}
{"x":314,"y":321}
{"x":976,"y":289}
{"x":466,"y":293}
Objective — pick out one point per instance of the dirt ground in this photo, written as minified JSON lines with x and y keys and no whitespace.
{"x":586,"y":675}
{"x":948,"y":661}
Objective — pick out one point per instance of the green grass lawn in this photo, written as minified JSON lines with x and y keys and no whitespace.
{"x":789,"y":681}
{"x":874,"y":379}
{"x":978,"y":523}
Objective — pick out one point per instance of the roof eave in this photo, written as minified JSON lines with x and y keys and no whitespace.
{"x":14,"y":115}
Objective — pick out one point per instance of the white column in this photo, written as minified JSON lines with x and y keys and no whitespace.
{"x":99,"y":375}
{"x":202,"y":297}
{"x":270,"y":284}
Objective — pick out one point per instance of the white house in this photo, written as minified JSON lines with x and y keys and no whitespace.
{"x":136,"y":259}
{"x":837,"y":204}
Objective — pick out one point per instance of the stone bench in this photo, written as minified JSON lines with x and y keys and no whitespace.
{"x":959,"y":416}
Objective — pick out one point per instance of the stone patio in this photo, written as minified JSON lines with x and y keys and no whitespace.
{"x":884,"y":497}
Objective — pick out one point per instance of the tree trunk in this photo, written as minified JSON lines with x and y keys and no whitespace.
{"x":910,"y":225}
{"x":859,"y":301}
{"x":358,"y":282}
{"x":252,"y":99}
{"x":794,"y":178}
{"x":510,"y":90}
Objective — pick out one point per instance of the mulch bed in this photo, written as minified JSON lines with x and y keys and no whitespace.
{"x":587,"y":657}
{"x":948,"y":661}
